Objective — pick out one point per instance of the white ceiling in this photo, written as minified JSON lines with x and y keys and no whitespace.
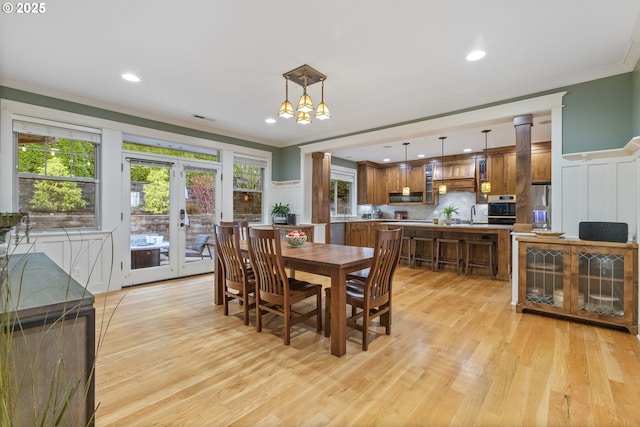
{"x":386,"y":62}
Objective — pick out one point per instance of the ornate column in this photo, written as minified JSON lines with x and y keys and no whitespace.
{"x":320,"y":203}
{"x":523,"y":173}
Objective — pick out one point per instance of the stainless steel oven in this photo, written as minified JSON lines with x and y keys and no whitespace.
{"x":501,"y":209}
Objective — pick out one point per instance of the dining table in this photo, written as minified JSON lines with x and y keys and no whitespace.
{"x":329,"y":260}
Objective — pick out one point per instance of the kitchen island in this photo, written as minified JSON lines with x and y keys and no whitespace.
{"x":500,"y":234}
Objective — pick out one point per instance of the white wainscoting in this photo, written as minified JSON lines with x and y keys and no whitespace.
{"x":87,"y":257}
{"x":599,"y":190}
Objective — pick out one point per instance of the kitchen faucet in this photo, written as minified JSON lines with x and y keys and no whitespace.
{"x":473,"y":212}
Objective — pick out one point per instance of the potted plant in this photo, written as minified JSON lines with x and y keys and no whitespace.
{"x":280,"y":212}
{"x":448,"y":211}
{"x":9,"y":220}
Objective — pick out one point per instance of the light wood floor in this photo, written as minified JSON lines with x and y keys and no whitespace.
{"x":458,"y":355}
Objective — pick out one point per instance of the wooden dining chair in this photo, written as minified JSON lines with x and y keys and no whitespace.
{"x":276,"y":292}
{"x":243,"y":224}
{"x":372,"y":297}
{"x":239,"y":281}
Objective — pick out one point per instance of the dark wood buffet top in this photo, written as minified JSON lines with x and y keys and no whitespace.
{"x":40,"y":287}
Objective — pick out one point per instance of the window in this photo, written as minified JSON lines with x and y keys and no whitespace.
{"x":341,"y":191}
{"x":248,"y":189}
{"x":57,"y":174}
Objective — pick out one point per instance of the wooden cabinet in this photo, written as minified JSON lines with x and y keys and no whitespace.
{"x":501,"y":167}
{"x":52,"y":346}
{"x":416,"y":178}
{"x":399,"y":176}
{"x":592,"y":281}
{"x":371,"y":185}
{"x":541,"y":163}
{"x":430,"y":197}
{"x":501,"y":171}
{"x":393,"y":179}
{"x":361,"y":233}
{"x":481,"y":177}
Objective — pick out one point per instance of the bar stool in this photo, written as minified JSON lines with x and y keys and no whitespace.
{"x":408,"y":255}
{"x":419,"y":245}
{"x":491,"y":265}
{"x":457,"y":261}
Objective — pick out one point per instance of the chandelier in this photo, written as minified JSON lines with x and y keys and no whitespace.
{"x":304,"y":76}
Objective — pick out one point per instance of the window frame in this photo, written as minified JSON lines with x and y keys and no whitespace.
{"x":54,"y":129}
{"x":341,"y":173}
{"x":256,"y":162}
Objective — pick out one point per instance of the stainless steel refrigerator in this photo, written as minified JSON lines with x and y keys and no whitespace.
{"x":541,"y":205}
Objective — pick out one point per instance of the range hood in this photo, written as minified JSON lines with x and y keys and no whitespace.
{"x":457,"y":184}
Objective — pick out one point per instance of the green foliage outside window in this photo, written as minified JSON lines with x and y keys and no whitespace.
{"x":56,"y":196}
{"x":247,"y":192}
{"x":156,"y":192}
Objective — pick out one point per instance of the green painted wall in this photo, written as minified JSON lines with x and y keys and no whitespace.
{"x":598,"y":115}
{"x":74,"y":107}
{"x":286,"y":164}
{"x":636,"y":100}
{"x":337,"y":161}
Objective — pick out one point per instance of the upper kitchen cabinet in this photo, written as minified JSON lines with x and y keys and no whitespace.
{"x":416,"y":178}
{"x":501,"y":170}
{"x":399,"y":176}
{"x":541,"y":163}
{"x":371,"y":184}
{"x":501,"y":167}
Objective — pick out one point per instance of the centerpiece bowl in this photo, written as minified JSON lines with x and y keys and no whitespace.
{"x":296,"y":238}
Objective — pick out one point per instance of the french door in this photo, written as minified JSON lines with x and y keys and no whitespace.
{"x":170,"y":217}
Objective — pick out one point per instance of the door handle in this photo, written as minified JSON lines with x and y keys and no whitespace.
{"x":182,"y":217}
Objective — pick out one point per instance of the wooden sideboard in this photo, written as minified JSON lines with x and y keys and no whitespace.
{"x":579,"y":279}
{"x":53,"y":342}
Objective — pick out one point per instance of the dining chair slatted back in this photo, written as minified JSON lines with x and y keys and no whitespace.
{"x":276,"y":293}
{"x":239,"y":281}
{"x":378,"y":284}
{"x":372,"y":297}
{"x":243,"y":224}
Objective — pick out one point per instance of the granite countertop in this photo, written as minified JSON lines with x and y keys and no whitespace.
{"x":355,"y":219}
{"x":39,"y":288}
{"x":429,"y":224}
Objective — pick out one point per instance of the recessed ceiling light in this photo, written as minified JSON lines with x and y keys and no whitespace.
{"x":131,"y":77}
{"x":270,"y":120}
{"x":475,"y":55}
{"x":420,"y":156}
{"x":467,"y":150}
{"x":386,"y":160}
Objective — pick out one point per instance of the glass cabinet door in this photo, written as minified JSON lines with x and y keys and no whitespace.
{"x":601,"y":283}
{"x":545,"y":276}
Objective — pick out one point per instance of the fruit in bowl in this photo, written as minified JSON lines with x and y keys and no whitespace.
{"x":296,"y":238}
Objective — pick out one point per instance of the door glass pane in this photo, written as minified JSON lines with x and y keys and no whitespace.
{"x":150,"y":205}
{"x":200,"y":213}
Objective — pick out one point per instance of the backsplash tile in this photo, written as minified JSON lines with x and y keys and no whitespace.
{"x":462,"y":199}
